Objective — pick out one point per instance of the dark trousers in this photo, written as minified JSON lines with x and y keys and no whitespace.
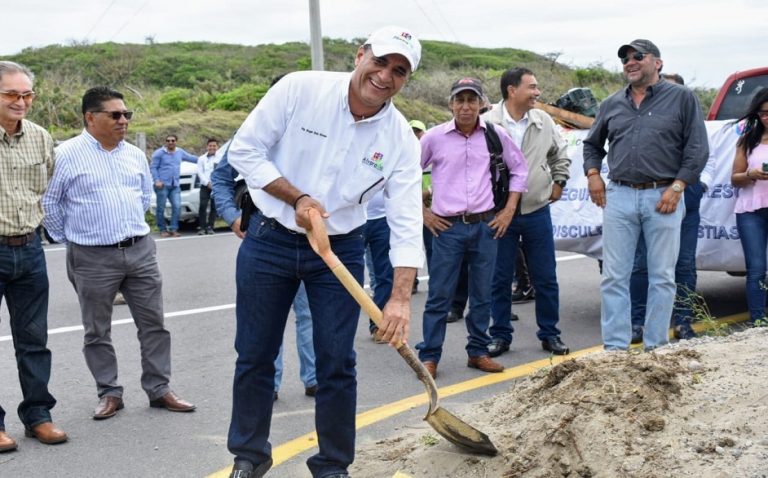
{"x":376,"y":236}
{"x":24,"y":284}
{"x":271,"y":263}
{"x":535,"y":229}
{"x":203,"y":220}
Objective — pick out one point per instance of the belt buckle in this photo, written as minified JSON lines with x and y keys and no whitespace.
{"x":464,"y":218}
{"x":128,"y":243}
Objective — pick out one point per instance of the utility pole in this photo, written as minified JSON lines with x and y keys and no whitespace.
{"x":316,"y":36}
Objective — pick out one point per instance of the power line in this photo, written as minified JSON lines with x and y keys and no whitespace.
{"x":429,"y":18}
{"x":98,"y":20}
{"x":129,"y":20}
{"x":445,"y":20}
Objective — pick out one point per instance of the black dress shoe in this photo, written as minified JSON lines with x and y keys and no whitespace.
{"x":245,"y":469}
{"x":684,"y":332}
{"x":514,"y":317}
{"x":497,"y":347}
{"x":555,"y":345}
{"x":454,"y":316}
{"x":637,"y":334}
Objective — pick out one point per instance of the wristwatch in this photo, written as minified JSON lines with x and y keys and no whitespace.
{"x":676,"y":187}
{"x":560,"y":183}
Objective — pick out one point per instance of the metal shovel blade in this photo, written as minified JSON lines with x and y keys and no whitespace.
{"x":445,"y":423}
{"x":460,"y":433}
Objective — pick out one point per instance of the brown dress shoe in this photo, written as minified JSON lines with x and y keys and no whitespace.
{"x":6,"y":443}
{"x":431,"y":368}
{"x":172,"y":402}
{"x":47,"y":433}
{"x":485,"y":363}
{"x":107,"y":407}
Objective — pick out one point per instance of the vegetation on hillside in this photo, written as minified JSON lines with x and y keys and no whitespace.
{"x":201,"y":89}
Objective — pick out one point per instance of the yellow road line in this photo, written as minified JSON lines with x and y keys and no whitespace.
{"x":289,"y":449}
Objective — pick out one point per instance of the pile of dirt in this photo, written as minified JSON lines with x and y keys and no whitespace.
{"x":697,"y":408}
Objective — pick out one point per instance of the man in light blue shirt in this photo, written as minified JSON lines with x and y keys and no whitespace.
{"x":95,"y":203}
{"x":166,"y":173}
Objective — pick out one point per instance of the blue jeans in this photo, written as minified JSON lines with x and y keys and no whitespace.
{"x":271,"y":263}
{"x":24,"y":284}
{"x":630,"y":214}
{"x":539,"y":247}
{"x":685,"y":269}
{"x":753,"y":230}
{"x":475,"y":243}
{"x":376,"y":237}
{"x":172,"y":194}
{"x":303,"y":343}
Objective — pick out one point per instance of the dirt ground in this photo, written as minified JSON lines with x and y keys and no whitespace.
{"x":697,"y":408}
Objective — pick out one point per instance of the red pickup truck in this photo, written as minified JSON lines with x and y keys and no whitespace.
{"x":738,"y":90}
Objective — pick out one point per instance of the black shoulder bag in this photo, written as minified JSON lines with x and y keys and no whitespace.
{"x":499,"y":170}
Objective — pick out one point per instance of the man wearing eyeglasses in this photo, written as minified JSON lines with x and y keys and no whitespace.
{"x":100,"y":189}
{"x":26,"y":164}
{"x":657,"y":146}
{"x":166,"y":174}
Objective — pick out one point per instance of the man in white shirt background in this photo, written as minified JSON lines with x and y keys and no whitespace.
{"x":205,"y":164}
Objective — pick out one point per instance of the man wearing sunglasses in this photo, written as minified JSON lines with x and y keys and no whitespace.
{"x":100,"y":189}
{"x":26,"y":164}
{"x":657,"y":146}
{"x":166,"y":174}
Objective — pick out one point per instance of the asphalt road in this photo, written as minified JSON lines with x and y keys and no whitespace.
{"x":198,"y":273}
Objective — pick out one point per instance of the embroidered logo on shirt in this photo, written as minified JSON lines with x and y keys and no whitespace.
{"x":316,"y":133}
{"x":375,"y":161}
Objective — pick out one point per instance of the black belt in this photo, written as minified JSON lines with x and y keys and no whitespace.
{"x":473,"y":218}
{"x":16,"y":241}
{"x":124,"y":243}
{"x":649,"y":185}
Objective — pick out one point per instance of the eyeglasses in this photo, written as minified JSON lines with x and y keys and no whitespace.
{"x":762,"y":114}
{"x":637,"y":56}
{"x":115,"y":115}
{"x":14,"y":96}
{"x":170,"y":140}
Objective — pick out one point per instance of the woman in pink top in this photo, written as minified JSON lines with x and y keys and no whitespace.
{"x":750,"y":173}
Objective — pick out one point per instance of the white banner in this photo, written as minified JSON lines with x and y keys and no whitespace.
{"x":577,"y":223}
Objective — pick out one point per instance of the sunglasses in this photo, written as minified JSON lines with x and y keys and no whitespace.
{"x":637,"y":56}
{"x":170,"y":140}
{"x":115,"y":115}
{"x":14,"y":96}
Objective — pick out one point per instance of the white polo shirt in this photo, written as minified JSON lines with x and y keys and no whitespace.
{"x":302,"y":130}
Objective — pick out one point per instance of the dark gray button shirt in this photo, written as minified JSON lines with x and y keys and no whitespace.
{"x":664,"y":138}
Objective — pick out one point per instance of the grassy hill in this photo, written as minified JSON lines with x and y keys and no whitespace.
{"x":200,"y":89}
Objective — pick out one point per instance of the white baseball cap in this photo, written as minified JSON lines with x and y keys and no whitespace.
{"x":392,"y":39}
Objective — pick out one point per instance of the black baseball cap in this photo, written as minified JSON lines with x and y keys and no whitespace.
{"x":471,"y":84}
{"x":643,"y":46}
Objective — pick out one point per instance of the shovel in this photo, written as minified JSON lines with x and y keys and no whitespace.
{"x":444,"y":422}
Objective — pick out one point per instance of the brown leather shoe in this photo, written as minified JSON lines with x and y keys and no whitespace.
{"x":107,"y":407}
{"x":6,"y":442}
{"x":172,"y":402}
{"x":485,"y":363}
{"x":431,"y":367}
{"x":47,"y":433}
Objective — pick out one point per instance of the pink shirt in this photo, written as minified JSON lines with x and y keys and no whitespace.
{"x":754,"y":197}
{"x":461,"y":176}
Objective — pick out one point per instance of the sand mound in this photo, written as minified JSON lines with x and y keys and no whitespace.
{"x":698,"y":408}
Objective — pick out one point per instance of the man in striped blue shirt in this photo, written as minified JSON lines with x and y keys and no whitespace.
{"x":95,"y":204}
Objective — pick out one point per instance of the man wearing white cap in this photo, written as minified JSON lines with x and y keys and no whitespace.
{"x":328,"y":141}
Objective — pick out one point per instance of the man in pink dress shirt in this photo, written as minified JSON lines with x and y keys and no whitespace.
{"x":464,"y":223}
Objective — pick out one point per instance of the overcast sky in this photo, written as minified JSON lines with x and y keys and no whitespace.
{"x":703,"y":40}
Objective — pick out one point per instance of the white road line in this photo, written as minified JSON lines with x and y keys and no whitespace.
{"x":215,"y":308}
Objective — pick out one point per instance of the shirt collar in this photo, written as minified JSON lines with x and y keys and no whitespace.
{"x":96,"y":144}
{"x":509,"y":118}
{"x":451,"y":126}
{"x":5,"y":136}
{"x":650,"y":91}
